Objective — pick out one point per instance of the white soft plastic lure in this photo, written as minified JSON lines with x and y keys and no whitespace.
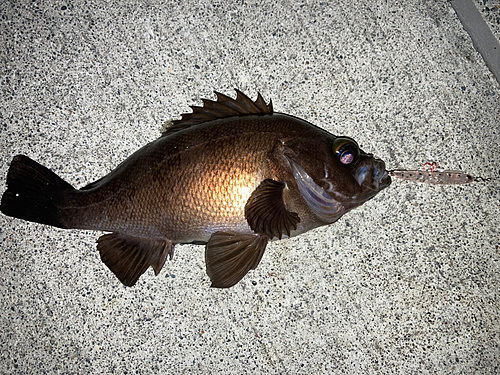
{"x":435,"y":177}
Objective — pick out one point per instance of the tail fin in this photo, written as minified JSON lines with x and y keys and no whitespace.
{"x":33,"y":192}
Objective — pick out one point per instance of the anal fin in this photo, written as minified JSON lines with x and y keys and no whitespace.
{"x":229,"y":256}
{"x":129,"y":257}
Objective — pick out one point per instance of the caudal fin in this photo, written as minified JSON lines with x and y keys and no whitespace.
{"x":33,"y":192}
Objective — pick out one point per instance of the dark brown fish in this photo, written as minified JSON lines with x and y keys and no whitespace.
{"x":231,"y":175}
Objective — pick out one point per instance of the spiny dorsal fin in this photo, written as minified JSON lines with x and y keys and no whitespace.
{"x":223,"y":107}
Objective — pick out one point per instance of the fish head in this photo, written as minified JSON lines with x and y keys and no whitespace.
{"x":364,"y":175}
{"x":334,"y":175}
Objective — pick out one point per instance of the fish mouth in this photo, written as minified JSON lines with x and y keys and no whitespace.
{"x":372,"y":175}
{"x":385,"y":180}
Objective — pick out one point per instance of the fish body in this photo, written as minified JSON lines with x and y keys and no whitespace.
{"x":231,"y":175}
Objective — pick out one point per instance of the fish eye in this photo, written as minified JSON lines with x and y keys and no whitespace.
{"x":346,"y":150}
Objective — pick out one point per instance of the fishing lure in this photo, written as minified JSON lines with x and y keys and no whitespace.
{"x":435,"y":177}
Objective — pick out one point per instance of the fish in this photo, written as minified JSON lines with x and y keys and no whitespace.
{"x":232,"y":175}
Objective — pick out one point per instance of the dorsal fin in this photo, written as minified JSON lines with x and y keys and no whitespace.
{"x":223,"y":107}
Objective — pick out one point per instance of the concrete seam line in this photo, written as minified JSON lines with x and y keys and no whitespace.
{"x":483,"y":39}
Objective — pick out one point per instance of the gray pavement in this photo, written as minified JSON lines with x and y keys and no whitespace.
{"x":407,"y":283}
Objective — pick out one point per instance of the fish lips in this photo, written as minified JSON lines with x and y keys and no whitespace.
{"x":372,"y":175}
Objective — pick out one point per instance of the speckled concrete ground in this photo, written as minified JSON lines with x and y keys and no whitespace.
{"x":407,"y":283}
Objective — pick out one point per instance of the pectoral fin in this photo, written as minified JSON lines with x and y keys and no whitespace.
{"x":266,"y":213}
{"x":229,"y":256}
{"x":129,"y":257}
